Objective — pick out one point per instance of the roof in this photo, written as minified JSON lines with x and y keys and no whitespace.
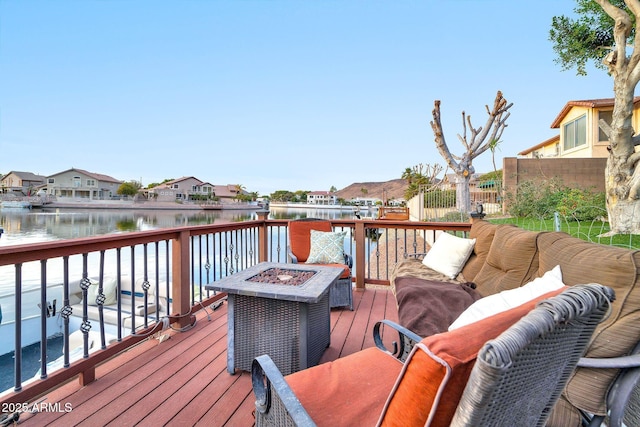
{"x":321,"y":193}
{"x":549,"y":141}
{"x":229,"y":190}
{"x":587,"y":103}
{"x":98,"y":176}
{"x":26,"y":176}
{"x":488,"y":184}
{"x":184,"y":178}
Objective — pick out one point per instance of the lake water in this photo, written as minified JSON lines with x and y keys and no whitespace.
{"x":23,"y":226}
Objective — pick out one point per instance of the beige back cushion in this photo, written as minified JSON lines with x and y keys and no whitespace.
{"x":584,"y":262}
{"x":512,"y":260}
{"x":483,"y":232}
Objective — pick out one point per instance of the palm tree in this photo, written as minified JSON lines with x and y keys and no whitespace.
{"x":239,"y":191}
{"x":407,"y":175}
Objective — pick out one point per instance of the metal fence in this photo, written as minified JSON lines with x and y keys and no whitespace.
{"x":440,"y":205}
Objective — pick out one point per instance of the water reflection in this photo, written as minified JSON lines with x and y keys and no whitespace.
{"x":298,"y":213}
{"x":22,"y":226}
{"x":28,"y":226}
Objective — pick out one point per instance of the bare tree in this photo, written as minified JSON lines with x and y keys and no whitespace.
{"x":475,"y":143}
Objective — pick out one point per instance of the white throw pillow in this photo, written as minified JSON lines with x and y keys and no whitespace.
{"x":506,"y":300}
{"x":448,"y":254}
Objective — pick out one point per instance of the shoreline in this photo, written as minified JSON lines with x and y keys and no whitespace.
{"x":119,"y":204}
{"x":319,"y":206}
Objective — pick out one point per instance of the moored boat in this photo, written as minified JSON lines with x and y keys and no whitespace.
{"x":15,"y":204}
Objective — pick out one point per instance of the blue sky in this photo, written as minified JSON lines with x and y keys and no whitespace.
{"x":272,"y":95}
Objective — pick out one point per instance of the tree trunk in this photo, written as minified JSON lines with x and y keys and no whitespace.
{"x":622,"y":176}
{"x":463,"y":195}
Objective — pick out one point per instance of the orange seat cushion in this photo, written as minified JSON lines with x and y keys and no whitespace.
{"x":349,"y":391}
{"x":346,"y":273}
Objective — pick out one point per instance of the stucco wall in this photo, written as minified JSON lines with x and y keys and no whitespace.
{"x":586,"y":173}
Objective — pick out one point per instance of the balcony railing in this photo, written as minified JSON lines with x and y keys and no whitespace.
{"x":159,"y":278}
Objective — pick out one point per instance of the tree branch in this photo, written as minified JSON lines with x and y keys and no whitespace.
{"x":439,"y":139}
{"x":494,"y":121}
{"x":621,"y":30}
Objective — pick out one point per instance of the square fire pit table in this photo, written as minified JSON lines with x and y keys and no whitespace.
{"x":270,"y":312}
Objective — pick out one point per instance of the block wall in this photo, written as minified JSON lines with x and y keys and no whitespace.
{"x":585,"y":173}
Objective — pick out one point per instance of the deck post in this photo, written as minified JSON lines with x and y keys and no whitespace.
{"x":180,"y":282}
{"x":263,"y":236}
{"x":360,"y":255}
{"x":87,"y":376}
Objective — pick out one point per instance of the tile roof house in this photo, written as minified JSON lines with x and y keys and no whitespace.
{"x":229,"y":192}
{"x":187,"y":187}
{"x":79,"y":183}
{"x":22,"y":183}
{"x":184,"y":188}
{"x":580,"y":136}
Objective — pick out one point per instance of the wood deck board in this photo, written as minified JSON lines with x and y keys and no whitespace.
{"x":155,"y":394}
{"x":361,"y":322}
{"x":183,"y":380}
{"x":141,"y":381}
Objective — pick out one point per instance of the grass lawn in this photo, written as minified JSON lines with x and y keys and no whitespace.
{"x":586,"y":230}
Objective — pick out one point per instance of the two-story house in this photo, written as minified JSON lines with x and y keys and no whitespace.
{"x":577,"y":156}
{"x":21,"y":183}
{"x":182,"y":189}
{"x":580,"y":135}
{"x":322,"y":198}
{"x":79,"y":183}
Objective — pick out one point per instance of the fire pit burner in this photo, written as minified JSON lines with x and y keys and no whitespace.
{"x":282,"y":276}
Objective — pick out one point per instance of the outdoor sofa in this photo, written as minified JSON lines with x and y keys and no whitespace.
{"x":505,"y":257}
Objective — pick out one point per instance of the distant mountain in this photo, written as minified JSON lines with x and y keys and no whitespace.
{"x":388,"y":190}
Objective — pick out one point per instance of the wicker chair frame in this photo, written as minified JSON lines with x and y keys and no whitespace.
{"x":517,"y":378}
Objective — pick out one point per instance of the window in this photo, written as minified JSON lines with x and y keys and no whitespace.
{"x":575,"y":133}
{"x":77,"y":182}
{"x":51,"y":180}
{"x":91,"y":183}
{"x":607,"y":116}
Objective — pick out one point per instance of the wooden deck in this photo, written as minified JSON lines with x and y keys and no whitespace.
{"x":182,"y":381}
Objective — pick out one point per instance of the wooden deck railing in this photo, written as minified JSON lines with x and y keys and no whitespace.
{"x":181,"y":260}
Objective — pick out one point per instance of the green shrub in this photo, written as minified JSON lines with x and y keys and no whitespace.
{"x":581,"y":205}
{"x":455,"y":217}
{"x":535,"y":199}
{"x":541,"y":199}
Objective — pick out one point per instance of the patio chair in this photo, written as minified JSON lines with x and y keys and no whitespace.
{"x":303,"y":249}
{"x":623,"y":399}
{"x":518,"y":376}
